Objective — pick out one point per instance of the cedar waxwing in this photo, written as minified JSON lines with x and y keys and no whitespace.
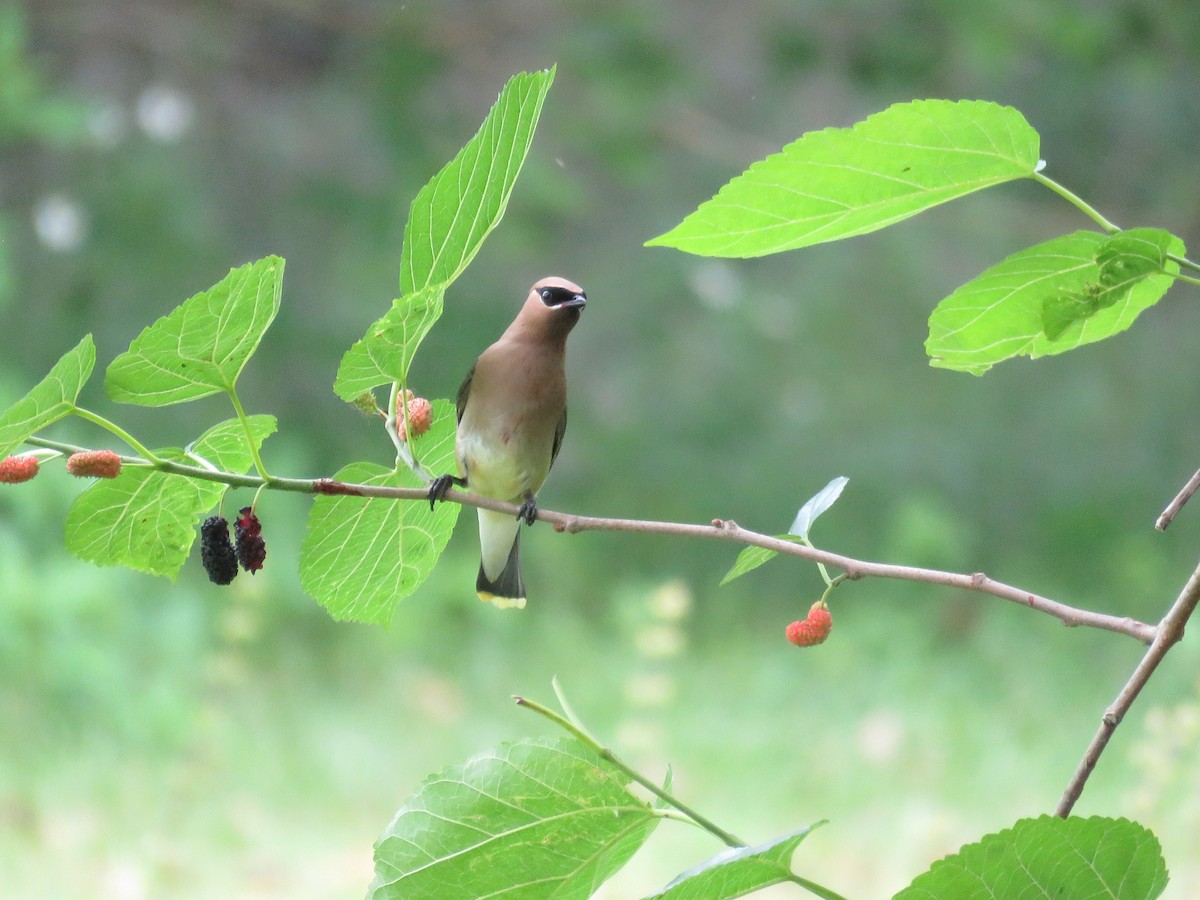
{"x":512,"y":414}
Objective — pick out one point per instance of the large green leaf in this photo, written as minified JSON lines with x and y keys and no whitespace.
{"x":201,"y":347}
{"x":1051,"y":857}
{"x":146,"y":519}
{"x":531,"y":819}
{"x":739,"y":871}
{"x":842,"y":182}
{"x":447,"y":223}
{"x":50,"y":399}
{"x":386,"y":351}
{"x":1051,"y":298}
{"x":458,"y":208}
{"x":362,"y":556}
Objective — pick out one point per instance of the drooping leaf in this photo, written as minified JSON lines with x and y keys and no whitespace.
{"x":1051,"y":857}
{"x":201,"y":347}
{"x":739,"y":871}
{"x":842,"y":182}
{"x":461,"y":204}
{"x":817,"y":504}
{"x":752,"y":557}
{"x":363,"y":555}
{"x":384,"y":354}
{"x":531,"y":819}
{"x":145,"y":519}
{"x":1005,"y":311}
{"x":50,"y":399}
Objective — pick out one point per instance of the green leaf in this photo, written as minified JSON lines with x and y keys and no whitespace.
{"x":458,"y":208}
{"x":1129,"y":256}
{"x":530,"y":819}
{"x":1051,"y":857}
{"x":50,"y":399}
{"x":742,"y":870}
{"x":146,"y":519}
{"x":386,"y":351}
{"x":1122,"y":261}
{"x":842,"y":182}
{"x":363,"y":555}
{"x":750,"y":558}
{"x":202,"y":346}
{"x":447,"y":224}
{"x":1055,"y":285}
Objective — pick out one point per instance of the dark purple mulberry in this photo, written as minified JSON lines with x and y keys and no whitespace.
{"x":216,"y":550}
{"x":251,"y":549}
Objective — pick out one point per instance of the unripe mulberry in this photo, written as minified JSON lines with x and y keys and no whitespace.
{"x":94,"y":464}
{"x":216,"y":551}
{"x":812,"y":630}
{"x":251,"y":548}
{"x":420,"y":417}
{"x":15,"y":469}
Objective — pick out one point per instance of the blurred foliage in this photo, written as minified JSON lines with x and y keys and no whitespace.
{"x":215,"y":134}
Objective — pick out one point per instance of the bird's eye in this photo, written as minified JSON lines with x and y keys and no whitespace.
{"x":547,"y":296}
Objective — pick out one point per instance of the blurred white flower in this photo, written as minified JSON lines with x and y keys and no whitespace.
{"x":59,"y":222}
{"x":880,"y":737}
{"x":650,"y":689}
{"x":671,"y":602}
{"x":165,"y":113}
{"x":660,"y":641}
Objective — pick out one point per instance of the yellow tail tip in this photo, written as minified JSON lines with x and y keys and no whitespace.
{"x":502,"y":602}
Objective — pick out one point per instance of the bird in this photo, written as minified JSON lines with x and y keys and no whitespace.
{"x":512,"y":415}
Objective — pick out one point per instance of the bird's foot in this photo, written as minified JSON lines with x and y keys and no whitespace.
{"x":528,"y":511}
{"x":441,"y":484}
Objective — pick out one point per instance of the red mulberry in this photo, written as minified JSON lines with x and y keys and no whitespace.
{"x":420,"y":416}
{"x":216,"y":551}
{"x":814,"y":629}
{"x":94,"y":464}
{"x":251,"y":549}
{"x":15,"y":469}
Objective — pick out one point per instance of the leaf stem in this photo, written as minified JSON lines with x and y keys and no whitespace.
{"x":114,"y":428}
{"x":250,"y":442}
{"x":1076,"y":201}
{"x":608,"y":756}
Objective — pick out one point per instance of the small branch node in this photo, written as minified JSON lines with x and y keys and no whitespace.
{"x":978,"y":580}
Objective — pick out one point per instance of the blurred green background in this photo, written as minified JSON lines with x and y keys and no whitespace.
{"x":180,"y":740}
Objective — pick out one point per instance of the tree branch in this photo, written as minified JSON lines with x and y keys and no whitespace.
{"x":1185,"y":493}
{"x":1168,"y":633}
{"x":719,"y":529}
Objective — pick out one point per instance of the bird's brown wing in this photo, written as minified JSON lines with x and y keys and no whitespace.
{"x":559,"y":431}
{"x":464,"y":391}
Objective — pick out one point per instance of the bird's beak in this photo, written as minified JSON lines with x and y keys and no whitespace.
{"x":579,"y":301}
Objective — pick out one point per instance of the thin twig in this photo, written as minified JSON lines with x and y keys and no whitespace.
{"x":579,"y":732}
{"x":721,"y":530}
{"x":1173,"y":508}
{"x":1169,"y":632}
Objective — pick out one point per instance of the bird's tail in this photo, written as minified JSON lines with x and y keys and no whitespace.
{"x":498,"y":533}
